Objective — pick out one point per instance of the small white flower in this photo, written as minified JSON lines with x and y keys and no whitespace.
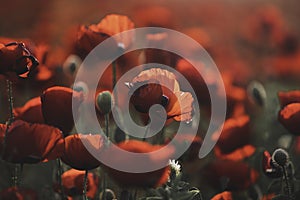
{"x":175,"y":166}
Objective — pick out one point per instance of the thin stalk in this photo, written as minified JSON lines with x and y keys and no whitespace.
{"x":84,"y":197}
{"x":114,"y":81}
{"x":59,"y":173}
{"x":289,"y":189}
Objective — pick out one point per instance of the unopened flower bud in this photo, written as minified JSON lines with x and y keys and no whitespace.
{"x":104,"y":102}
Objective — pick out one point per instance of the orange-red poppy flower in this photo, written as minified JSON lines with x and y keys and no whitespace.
{"x":289,"y":117}
{"x":31,"y":111}
{"x":16,"y":58}
{"x":76,"y":154}
{"x":289,"y":97}
{"x":238,"y":154}
{"x":148,"y":179}
{"x":223,"y":196}
{"x":73,"y":182}
{"x":32,"y":143}
{"x":57,"y":107}
{"x":113,"y":24}
{"x":178,"y":104}
{"x":240,"y":175}
{"x":15,"y":193}
{"x":235,"y":134}
{"x":87,"y":39}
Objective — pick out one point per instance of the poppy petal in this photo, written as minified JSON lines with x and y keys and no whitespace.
{"x":31,"y":111}
{"x":289,"y":117}
{"x":57,"y":107}
{"x":32,"y":143}
{"x":77,"y":156}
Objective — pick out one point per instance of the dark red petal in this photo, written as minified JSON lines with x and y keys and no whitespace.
{"x":57,"y":107}
{"x":32,"y":143}
{"x":77,"y":156}
{"x":31,"y":111}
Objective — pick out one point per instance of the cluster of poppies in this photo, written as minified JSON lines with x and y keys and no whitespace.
{"x":241,"y":165}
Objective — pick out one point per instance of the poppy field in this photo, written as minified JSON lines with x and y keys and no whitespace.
{"x":169,"y":100}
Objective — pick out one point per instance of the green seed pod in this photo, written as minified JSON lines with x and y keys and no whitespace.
{"x":104,"y":102}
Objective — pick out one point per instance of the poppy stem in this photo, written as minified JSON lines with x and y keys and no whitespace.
{"x":104,"y":185}
{"x":106,"y":121}
{"x":84,"y":197}
{"x":114,"y":81}
{"x":288,"y":186}
{"x":146,"y":133}
{"x":10,"y":102}
{"x":59,"y":173}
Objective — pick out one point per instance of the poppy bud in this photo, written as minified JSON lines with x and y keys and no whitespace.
{"x":280,"y":157}
{"x":104,"y":102}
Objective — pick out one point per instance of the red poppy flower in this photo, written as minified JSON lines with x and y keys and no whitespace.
{"x":240,"y":175}
{"x":289,"y":97}
{"x":166,"y":92}
{"x":73,"y":181}
{"x":223,"y":196}
{"x":87,"y":39}
{"x":31,"y":111}
{"x":235,"y":134}
{"x":289,"y":117}
{"x":238,"y":154}
{"x":32,"y":143}
{"x":16,"y":58}
{"x":265,"y":25}
{"x":77,"y":156}
{"x":57,"y":107}
{"x":113,"y":24}
{"x":15,"y":193}
{"x":148,"y":179}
